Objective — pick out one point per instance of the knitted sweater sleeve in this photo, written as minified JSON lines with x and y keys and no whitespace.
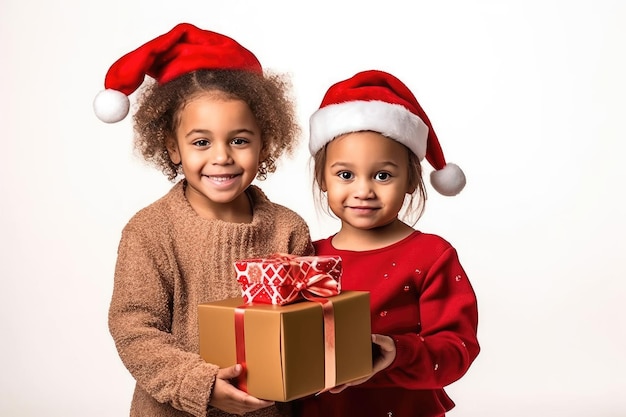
{"x":140,"y":321}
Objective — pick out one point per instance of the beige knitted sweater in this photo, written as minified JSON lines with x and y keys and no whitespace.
{"x":169,"y":261}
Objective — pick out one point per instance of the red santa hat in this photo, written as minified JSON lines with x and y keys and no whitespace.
{"x":377,"y":101}
{"x":183,"y":49}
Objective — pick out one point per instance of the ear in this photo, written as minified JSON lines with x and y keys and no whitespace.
{"x":264,"y":153}
{"x":323,"y":186}
{"x":172,"y":150}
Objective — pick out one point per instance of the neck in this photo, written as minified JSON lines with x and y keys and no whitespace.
{"x":351,"y":238}
{"x":236,"y":211}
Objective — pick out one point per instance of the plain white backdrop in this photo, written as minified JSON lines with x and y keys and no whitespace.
{"x":528,"y":97}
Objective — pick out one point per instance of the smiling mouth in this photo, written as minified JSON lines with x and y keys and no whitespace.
{"x":220,"y":178}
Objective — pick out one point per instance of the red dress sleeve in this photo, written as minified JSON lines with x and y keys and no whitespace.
{"x":446,"y":344}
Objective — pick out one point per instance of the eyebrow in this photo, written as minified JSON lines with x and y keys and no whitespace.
{"x":208,"y":132}
{"x":341,"y":164}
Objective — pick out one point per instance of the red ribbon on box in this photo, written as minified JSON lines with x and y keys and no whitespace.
{"x":284,"y":278}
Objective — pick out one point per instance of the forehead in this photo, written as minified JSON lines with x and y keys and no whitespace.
{"x":366,"y":146}
{"x":210,"y":108}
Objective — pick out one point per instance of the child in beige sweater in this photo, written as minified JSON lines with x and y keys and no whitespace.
{"x":217,"y":121}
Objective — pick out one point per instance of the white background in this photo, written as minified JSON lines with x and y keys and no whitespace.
{"x":527,"y":96}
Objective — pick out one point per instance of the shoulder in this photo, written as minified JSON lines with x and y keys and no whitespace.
{"x":159,"y":214}
{"x":324,"y":246}
{"x":281,"y":227}
{"x":429,"y":248}
{"x":428,"y":243}
{"x":273,"y":212}
{"x":431,"y":240}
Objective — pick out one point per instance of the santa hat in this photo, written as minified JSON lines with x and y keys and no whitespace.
{"x":377,"y":101}
{"x":183,"y":49}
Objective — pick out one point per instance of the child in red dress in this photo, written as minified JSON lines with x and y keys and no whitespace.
{"x":368,"y":139}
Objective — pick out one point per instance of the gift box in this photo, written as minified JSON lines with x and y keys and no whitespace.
{"x":286,"y":351}
{"x":281,"y":278}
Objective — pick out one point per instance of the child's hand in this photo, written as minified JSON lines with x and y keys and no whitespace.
{"x":231,"y":400}
{"x":387,"y":350}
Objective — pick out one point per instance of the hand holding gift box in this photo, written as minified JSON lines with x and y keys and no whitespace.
{"x":291,"y":346}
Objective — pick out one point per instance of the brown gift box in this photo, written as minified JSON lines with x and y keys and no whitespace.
{"x":284,"y":345}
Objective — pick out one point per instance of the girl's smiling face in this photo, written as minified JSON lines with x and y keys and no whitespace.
{"x":366,"y":179}
{"x":219,"y":145}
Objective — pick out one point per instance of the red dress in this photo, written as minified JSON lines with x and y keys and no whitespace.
{"x":422,"y":298}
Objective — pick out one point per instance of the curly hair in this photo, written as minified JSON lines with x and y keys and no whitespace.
{"x":412,"y":210}
{"x":159,"y":105}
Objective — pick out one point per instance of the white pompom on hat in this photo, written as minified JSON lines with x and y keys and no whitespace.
{"x":377,"y":101}
{"x":183,"y":49}
{"x":111,"y":106}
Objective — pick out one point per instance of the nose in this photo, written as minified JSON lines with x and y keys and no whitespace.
{"x":220,"y":154}
{"x":363,"y":189}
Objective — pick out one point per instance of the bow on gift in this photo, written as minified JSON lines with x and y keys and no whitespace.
{"x":320,"y":285}
{"x":283,"y":278}
{"x":310,"y":284}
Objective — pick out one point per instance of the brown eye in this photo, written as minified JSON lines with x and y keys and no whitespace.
{"x":345,"y":175}
{"x":382,"y":176}
{"x":239,"y":141}
{"x":201,"y":143}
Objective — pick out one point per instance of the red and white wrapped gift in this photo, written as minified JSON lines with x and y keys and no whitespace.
{"x":282,"y":279}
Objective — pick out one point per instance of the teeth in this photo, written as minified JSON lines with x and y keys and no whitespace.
{"x":220,"y":178}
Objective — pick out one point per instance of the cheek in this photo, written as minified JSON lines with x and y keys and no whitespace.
{"x":256,"y":157}
{"x":251,"y":161}
{"x":193,"y":160}
{"x":336,"y":194}
{"x":335,"y":202}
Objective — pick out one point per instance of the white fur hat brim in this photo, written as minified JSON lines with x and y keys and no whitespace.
{"x":391,"y":120}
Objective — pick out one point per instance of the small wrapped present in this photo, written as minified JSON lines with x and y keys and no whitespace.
{"x":282,"y":279}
